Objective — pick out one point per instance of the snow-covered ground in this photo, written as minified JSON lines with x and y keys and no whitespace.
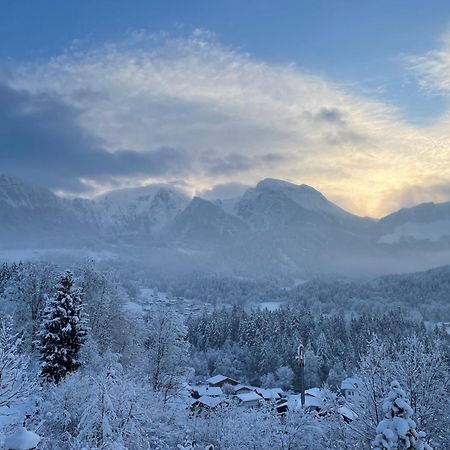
{"x":150,"y":298}
{"x":12,"y":417}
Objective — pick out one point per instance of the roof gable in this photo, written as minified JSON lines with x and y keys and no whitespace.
{"x":220,"y":379}
{"x":249,"y":397}
{"x":211,"y":402}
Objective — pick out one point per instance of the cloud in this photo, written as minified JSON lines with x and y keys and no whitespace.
{"x":191,"y":108}
{"x":413,"y":195}
{"x":232,"y":163}
{"x":224,"y":191}
{"x":333,"y":115}
{"x":433,"y":68}
{"x":235,"y":163}
{"x":40,"y":139}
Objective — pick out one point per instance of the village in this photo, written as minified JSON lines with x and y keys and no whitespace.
{"x":221,"y":391}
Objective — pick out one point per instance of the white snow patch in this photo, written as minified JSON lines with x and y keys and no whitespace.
{"x":22,"y":439}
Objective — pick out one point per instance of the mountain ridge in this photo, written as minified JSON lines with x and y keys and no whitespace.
{"x":275,"y":226}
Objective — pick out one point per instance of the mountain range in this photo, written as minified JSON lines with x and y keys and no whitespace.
{"x":274,"y":228}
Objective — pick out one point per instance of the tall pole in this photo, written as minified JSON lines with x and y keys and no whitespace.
{"x":301,"y":363}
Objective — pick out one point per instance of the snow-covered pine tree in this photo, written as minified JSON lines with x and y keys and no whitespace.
{"x":398,"y":431}
{"x":63,"y":331}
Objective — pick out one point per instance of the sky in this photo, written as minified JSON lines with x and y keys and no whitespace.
{"x":350,"y":97}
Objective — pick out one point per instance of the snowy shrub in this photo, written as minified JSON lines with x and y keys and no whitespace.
{"x":15,"y":384}
{"x":236,"y":428}
{"x":107,"y":411}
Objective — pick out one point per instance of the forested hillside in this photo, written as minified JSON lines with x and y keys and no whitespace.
{"x":124,"y":364}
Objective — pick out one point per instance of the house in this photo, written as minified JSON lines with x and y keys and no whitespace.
{"x":314,"y":399}
{"x":269,"y":394}
{"x":242,"y":389}
{"x":201,"y":391}
{"x":349,"y":388}
{"x":279,"y":391}
{"x":249,"y":400}
{"x":221,"y":380}
{"x":206,"y":402}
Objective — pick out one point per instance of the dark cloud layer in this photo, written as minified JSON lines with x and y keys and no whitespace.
{"x":228,"y":164}
{"x":40,"y":140}
{"x":330,"y":115}
{"x":234,"y":163}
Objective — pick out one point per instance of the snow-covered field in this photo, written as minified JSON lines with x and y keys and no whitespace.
{"x":150,"y":298}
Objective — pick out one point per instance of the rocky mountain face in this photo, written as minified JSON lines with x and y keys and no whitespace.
{"x":31,"y":214}
{"x":36,"y":215}
{"x":145,"y":211}
{"x":274,"y":228}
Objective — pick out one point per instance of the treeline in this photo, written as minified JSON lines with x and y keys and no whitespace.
{"x":259,"y":346}
{"x":421,"y":296}
{"x":219,"y":289}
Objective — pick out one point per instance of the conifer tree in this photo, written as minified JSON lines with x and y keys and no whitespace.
{"x":63,"y":331}
{"x":398,"y":431}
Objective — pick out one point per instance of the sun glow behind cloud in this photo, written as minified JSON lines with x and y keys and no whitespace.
{"x":233,"y":118}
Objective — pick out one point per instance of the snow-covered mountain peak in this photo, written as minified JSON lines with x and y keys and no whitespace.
{"x":16,"y":193}
{"x":302,"y":195}
{"x":148,"y":208}
{"x":273,"y":183}
{"x":143,"y":194}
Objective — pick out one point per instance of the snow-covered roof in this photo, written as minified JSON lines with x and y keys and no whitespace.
{"x":313,"y":401}
{"x":349,"y":383}
{"x":269,"y":394}
{"x":249,"y":397}
{"x":219,"y":379}
{"x":207,"y":390}
{"x":211,"y":402}
{"x":239,"y":387}
{"x":277,"y":390}
{"x":314,"y":392}
{"x":347,"y":413}
{"x":313,"y":397}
